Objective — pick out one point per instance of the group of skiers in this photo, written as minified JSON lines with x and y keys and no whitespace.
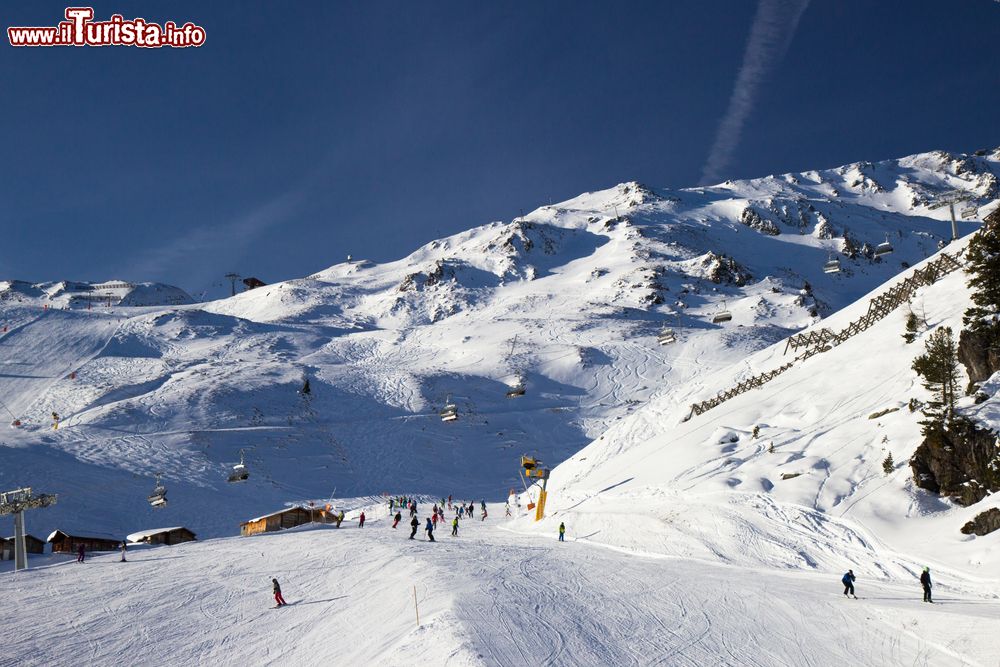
{"x":399,"y":504}
{"x":848,"y":581}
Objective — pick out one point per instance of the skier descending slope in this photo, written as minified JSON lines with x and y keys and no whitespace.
{"x":414,"y":523}
{"x":395,"y":519}
{"x":361,"y":520}
{"x":277,"y":593}
{"x":454,"y":527}
{"x":562,"y":532}
{"x":848,"y":581}
{"x":430,"y":529}
{"x":925,"y":581}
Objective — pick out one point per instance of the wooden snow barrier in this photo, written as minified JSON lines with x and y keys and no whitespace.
{"x":824,"y":339}
{"x":744,"y":386}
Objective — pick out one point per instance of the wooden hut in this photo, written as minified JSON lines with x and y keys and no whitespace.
{"x":34,"y":546}
{"x":162,"y":536}
{"x":63,"y":542}
{"x":286,"y":518}
{"x":253,"y":283}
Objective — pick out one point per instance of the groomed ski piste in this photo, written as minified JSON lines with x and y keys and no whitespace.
{"x":688,"y":542}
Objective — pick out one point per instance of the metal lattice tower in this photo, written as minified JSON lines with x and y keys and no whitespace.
{"x":233,"y":277}
{"x":16,"y":502}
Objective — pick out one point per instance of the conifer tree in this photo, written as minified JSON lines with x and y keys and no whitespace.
{"x":912,"y":324}
{"x":938,"y":367}
{"x":888,"y":464}
{"x":983,"y":266}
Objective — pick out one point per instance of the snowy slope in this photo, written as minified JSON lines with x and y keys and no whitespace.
{"x":487,"y":597}
{"x":820,"y":500}
{"x":567,"y":299}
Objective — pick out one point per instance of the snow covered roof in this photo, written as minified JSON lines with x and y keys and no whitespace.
{"x":90,"y":534}
{"x":282,"y":511}
{"x":143,"y":534}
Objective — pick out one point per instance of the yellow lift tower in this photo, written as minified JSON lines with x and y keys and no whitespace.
{"x":533,"y":468}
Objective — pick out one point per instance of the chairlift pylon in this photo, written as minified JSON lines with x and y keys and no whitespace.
{"x":158,"y":498}
{"x":239,"y":473}
{"x":722,"y":316}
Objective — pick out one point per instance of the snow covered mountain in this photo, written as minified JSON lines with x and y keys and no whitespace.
{"x":566,"y":301}
{"x":735,"y":540}
{"x":69,"y":294}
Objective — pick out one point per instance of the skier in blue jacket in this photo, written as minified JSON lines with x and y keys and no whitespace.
{"x":848,"y":581}
{"x":430,"y":530}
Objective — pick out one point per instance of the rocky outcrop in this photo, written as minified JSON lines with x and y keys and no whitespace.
{"x":984,"y":523}
{"x":980,"y":354}
{"x":959,"y":460}
{"x":753,"y":220}
{"x":724,"y":269}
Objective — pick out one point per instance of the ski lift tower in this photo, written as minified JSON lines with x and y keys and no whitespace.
{"x":16,"y":502}
{"x":233,"y":277}
{"x":949,"y":199}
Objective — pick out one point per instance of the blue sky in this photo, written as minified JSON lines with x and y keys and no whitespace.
{"x":301,"y":132}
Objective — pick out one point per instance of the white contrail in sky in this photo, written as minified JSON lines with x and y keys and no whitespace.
{"x":771,"y":33}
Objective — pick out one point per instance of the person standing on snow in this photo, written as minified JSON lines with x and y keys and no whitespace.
{"x":562,"y":532}
{"x":340,"y":518}
{"x":277,"y":593}
{"x":361,"y":520}
{"x":925,"y":581}
{"x":79,"y":554}
{"x":434,"y":519}
{"x":430,"y":530}
{"x":848,"y":581}
{"x":413,"y":524}
{"x":395,"y":519}
{"x":124,"y":547}
{"x":454,"y":527}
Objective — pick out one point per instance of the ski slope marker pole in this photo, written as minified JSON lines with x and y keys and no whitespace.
{"x":415,"y":608}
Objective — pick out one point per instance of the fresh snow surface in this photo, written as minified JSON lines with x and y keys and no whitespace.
{"x":491,"y":596}
{"x":692,"y":543}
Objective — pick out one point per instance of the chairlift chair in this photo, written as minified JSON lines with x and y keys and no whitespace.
{"x":239,"y":473}
{"x":158,"y":498}
{"x":722,"y":316}
{"x":832,"y":266}
{"x":516,"y":390}
{"x":883,"y":248}
{"x":450,"y":412}
{"x":970,"y":212}
{"x":666,"y":336}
